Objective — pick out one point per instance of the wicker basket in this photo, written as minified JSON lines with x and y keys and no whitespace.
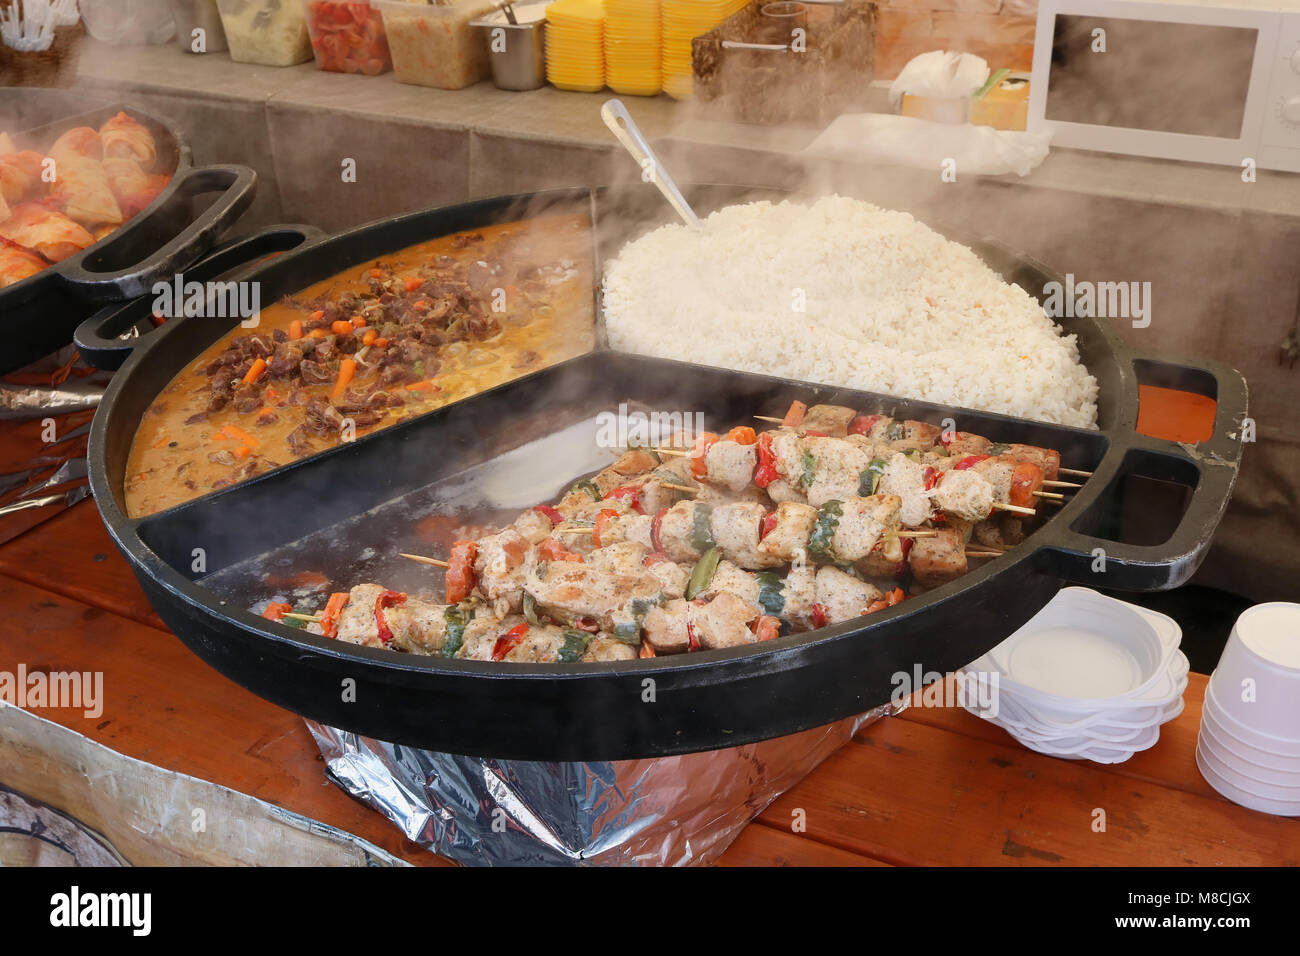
{"x":56,"y":66}
{"x":832,"y":76}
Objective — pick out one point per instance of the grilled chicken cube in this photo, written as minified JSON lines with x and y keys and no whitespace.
{"x":1048,"y":459}
{"x":672,"y":577}
{"x":782,"y":490}
{"x":356,"y":623}
{"x":862,"y":523}
{"x":601,"y":649}
{"x":730,"y":464}
{"x":799,"y":591}
{"x":832,"y":469}
{"x":794,"y":523}
{"x":622,"y":557}
{"x":940,"y":559}
{"x":540,"y":644}
{"x":683,"y":528}
{"x":923,"y":435}
{"x":732,"y":579}
{"x":715,"y":495}
{"x":736,"y":528}
{"x":906,"y":479}
{"x":534,"y":526}
{"x":636,"y":461}
{"x":418,"y":626}
{"x":723,"y":622}
{"x":888,"y":559}
{"x":964,"y":494}
{"x":843,"y":596}
{"x":607,"y":479}
{"x":965,"y":444}
{"x":500,"y":565}
{"x":999,"y":474}
{"x":832,"y":420}
{"x":666,"y":627}
{"x":632,"y":528}
{"x":568,"y":590}
{"x":788,"y":453}
{"x":654,"y":496}
{"x":481,"y":635}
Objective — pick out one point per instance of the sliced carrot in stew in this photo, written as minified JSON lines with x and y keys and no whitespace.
{"x":295,"y":329}
{"x":425,"y":386}
{"x":347,"y":369}
{"x":255,"y":371}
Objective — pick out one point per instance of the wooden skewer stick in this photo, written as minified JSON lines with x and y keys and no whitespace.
{"x":1061,"y":484}
{"x":686,"y":488}
{"x":1050,"y":495}
{"x":1016,"y":509}
{"x":673,"y":451}
{"x":314,"y":618}
{"x":769,"y":418}
{"x":984,"y":554}
{"x":576,"y":530}
{"x":423,"y":560}
{"x":1074,"y":471}
{"x":915,"y":534}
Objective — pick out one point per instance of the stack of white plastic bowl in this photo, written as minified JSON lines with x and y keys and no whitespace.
{"x":1249,"y":745}
{"x":1089,"y":677}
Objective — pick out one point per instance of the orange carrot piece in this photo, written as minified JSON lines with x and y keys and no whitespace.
{"x":380,"y":342}
{"x":425,"y":386}
{"x":341,"y":327}
{"x":255,"y":372}
{"x":347,"y":369}
{"x":238,"y":434}
{"x":376,"y":273}
{"x":369,"y":337}
{"x":243,"y":451}
{"x":412,"y":283}
{"x":318,"y":314}
{"x":295,"y":329}
{"x":317,"y":334}
{"x":358,"y":321}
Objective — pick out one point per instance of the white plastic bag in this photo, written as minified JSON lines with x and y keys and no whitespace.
{"x":902,"y":140}
{"x":940,"y":74}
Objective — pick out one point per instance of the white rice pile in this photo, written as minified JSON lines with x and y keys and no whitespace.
{"x":889,"y":306}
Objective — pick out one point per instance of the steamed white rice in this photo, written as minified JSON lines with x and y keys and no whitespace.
{"x":889,"y":305}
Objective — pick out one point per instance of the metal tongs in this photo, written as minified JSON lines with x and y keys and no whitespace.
{"x":625,"y":130}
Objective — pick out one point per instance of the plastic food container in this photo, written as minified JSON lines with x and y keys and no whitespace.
{"x":517,"y":50}
{"x":191,"y":15}
{"x":347,"y":36}
{"x":434,"y":45}
{"x":269,"y":32}
{"x":127,"y":22}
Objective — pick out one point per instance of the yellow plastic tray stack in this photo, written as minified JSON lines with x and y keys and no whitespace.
{"x":633,"y":51}
{"x":575,"y":45}
{"x":683,"y":21}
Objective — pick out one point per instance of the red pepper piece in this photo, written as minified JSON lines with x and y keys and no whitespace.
{"x":508,"y":641}
{"x":654,"y":530}
{"x":656,"y":557}
{"x":601,"y":520}
{"x":553,"y":550}
{"x":553,"y":514}
{"x":765,"y":473}
{"x":932,"y":476}
{"x":814,"y":433}
{"x":862,"y":424}
{"x":1025,"y":480}
{"x":588,"y":624}
{"x":795,"y":415}
{"x":276,"y":610}
{"x":329,"y":621}
{"x":742,"y":435}
{"x":630,"y":494}
{"x":460,"y":576}
{"x":767,"y":627}
{"x":386,"y":599}
{"x":693,"y":642}
{"x":769,"y":522}
{"x":820,"y":615}
{"x":969,"y":461}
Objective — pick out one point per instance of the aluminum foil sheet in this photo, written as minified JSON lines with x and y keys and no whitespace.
{"x":667,"y":811}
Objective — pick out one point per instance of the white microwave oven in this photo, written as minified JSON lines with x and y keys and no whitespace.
{"x":1209,"y":82}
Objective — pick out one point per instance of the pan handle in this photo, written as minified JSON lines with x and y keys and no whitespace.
{"x":236,"y":185}
{"x":115,"y":331}
{"x":1209,"y":468}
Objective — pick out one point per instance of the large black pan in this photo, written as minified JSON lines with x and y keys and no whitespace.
{"x":638,"y":708}
{"x":41,"y":312}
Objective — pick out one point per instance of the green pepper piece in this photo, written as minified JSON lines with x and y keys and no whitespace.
{"x":455,"y":631}
{"x":869,"y":480}
{"x":819,"y":542}
{"x":530,"y":610}
{"x":702,"y":575}
{"x":574,"y":646}
{"x":997,"y":448}
{"x":587,"y":485}
{"x":894,"y":431}
{"x":809,"y":464}
{"x":701,"y":534}
{"x":770,"y":595}
{"x":627,"y":630}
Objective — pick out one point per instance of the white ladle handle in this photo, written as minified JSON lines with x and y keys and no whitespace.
{"x":625,"y":130}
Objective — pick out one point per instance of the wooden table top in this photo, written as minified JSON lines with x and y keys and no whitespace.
{"x":933,"y":786}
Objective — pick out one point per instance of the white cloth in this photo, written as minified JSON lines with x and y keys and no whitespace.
{"x":941,"y":74}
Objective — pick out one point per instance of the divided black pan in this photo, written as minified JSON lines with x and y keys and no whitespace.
{"x":515,"y":445}
{"x":41,"y":312}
